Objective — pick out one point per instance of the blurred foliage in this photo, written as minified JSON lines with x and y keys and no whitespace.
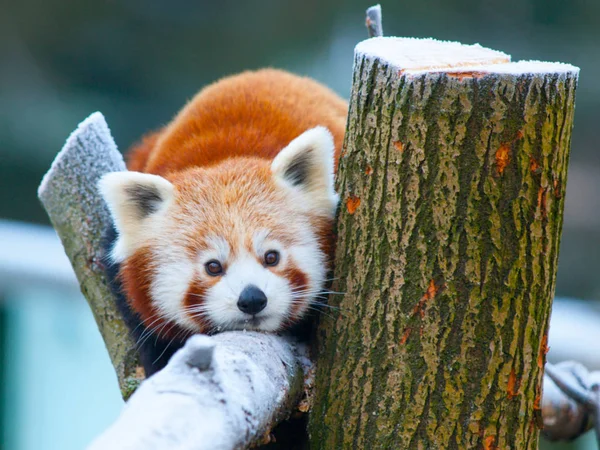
{"x":139,"y":61}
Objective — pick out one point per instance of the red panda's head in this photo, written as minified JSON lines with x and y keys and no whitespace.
{"x":242,"y":244}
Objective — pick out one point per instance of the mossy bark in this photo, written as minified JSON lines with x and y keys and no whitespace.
{"x":452,"y":190}
{"x":70,"y":196}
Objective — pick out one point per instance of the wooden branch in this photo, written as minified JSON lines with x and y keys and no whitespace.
{"x":217,"y":393}
{"x":373,"y":21}
{"x":452,"y":185}
{"x":69,"y":195}
{"x":569,"y":403}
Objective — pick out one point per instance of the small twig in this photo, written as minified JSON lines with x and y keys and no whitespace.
{"x":373,"y":21}
{"x":596,"y":412}
{"x":571,"y":401}
{"x":575,"y":392}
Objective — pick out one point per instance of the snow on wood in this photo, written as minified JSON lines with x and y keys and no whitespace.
{"x":417,"y":56}
{"x":70,"y":196}
{"x":220,"y":393}
{"x":428,"y":54}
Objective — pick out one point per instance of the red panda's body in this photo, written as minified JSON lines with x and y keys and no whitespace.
{"x":224,"y":221}
{"x":253,"y":114}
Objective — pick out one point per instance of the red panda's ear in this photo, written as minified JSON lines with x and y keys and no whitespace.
{"x":132,"y":199}
{"x":306,"y":165}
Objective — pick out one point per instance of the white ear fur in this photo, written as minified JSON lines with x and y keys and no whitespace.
{"x":132,"y":199}
{"x":306,"y":165}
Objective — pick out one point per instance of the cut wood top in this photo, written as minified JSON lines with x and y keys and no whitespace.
{"x":415,"y":56}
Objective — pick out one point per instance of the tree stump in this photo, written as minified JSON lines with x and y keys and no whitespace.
{"x":452,"y":184}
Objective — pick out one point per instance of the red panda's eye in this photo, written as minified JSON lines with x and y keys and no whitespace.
{"x":271,"y":258}
{"x":213,"y":268}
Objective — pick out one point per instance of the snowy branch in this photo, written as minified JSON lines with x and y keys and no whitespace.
{"x":69,"y":195}
{"x":373,"y":21}
{"x":219,"y":393}
{"x":570,"y":404}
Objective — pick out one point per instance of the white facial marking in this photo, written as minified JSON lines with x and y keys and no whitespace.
{"x":217,"y":248}
{"x":221,"y":300}
{"x":174,"y":275}
{"x":262,"y":244}
{"x":246,"y":269}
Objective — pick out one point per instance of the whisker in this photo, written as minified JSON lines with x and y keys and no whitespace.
{"x":149,"y":329}
{"x":306,"y":296}
{"x":325,"y":305}
{"x":324,"y":291}
{"x":169,"y":344}
{"x":321,"y":312}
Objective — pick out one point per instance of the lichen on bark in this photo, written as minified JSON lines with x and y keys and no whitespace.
{"x":452,"y":190}
{"x":70,"y":196}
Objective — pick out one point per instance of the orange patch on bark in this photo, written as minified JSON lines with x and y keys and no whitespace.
{"x":432,"y":289}
{"x":520,"y":134}
{"x":490,"y":443}
{"x":542,"y":201}
{"x":140,"y":373}
{"x":534,"y":166}
{"x":405,"y":336}
{"x":368,"y":170}
{"x":502,"y":158}
{"x":304,"y":406}
{"x":543,"y":351}
{"x":513,"y":389}
{"x":537,"y":402}
{"x":399,"y":146}
{"x":462,"y":75}
{"x":557,"y":192}
{"x":352,"y":204}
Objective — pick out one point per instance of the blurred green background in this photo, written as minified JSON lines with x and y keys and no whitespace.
{"x":139,"y":61}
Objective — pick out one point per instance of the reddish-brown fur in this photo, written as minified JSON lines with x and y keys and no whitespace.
{"x":194,"y":298}
{"x":136,"y":285}
{"x":253,"y":114}
{"x":240,"y":123}
{"x":298,"y":282}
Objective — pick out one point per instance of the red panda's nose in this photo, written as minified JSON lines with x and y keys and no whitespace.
{"x":252,"y":300}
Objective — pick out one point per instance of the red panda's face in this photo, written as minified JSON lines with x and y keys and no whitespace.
{"x":239,"y":245}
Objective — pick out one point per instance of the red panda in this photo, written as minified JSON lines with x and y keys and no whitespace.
{"x":224,"y":219}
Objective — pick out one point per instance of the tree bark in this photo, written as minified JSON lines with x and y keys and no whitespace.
{"x":70,"y":196}
{"x":452,"y":182}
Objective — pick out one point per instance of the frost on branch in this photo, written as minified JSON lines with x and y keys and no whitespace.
{"x":69,"y":195}
{"x":219,"y":393}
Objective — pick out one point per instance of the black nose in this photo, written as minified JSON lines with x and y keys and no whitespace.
{"x":252,"y":300}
